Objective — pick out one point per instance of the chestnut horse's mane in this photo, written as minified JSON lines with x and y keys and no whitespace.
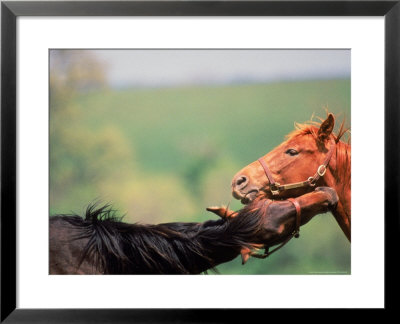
{"x":342,"y":173}
{"x":312,"y":126}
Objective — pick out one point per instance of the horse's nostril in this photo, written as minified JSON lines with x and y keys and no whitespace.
{"x":241,"y":181}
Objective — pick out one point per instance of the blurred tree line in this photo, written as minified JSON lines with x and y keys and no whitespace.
{"x":79,"y":156}
{"x":98,"y":162}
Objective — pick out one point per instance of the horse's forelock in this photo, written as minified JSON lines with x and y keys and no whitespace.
{"x":311,"y":127}
{"x":343,"y":172}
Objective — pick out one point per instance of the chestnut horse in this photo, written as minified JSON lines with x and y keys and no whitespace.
{"x":311,"y":156}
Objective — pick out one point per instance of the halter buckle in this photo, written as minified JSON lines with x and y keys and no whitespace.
{"x":275,"y":189}
{"x":321,"y":173}
{"x":311,"y":181}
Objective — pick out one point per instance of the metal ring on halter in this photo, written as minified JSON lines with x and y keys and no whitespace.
{"x":311,"y":181}
{"x":275,"y":188}
{"x":321,"y":173}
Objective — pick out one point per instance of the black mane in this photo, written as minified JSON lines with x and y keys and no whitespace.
{"x":100,"y":243}
{"x":117,"y":247}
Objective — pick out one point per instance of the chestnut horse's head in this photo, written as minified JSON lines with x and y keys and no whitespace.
{"x":295,"y":161}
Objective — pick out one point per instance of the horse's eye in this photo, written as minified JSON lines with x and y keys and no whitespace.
{"x":292,"y":152}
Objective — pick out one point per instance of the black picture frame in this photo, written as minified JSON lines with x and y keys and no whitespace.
{"x":11,"y":10}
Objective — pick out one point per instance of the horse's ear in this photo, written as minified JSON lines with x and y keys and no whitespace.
{"x":326,"y":128}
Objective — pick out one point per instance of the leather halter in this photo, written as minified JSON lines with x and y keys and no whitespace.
{"x":296,"y":232}
{"x":276,"y":187}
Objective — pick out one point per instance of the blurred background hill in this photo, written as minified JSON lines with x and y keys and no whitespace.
{"x":160,"y":133}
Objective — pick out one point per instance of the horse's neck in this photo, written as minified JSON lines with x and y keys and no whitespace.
{"x":339,"y":178}
{"x":216,"y":246}
{"x":203,"y":245}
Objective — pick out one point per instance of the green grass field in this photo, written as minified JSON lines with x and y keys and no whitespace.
{"x":163,"y":155}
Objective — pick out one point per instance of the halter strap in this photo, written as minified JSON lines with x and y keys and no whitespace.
{"x":276,"y":187}
{"x":296,"y":232}
{"x":267,"y":172}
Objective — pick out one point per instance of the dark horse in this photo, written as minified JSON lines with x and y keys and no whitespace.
{"x":102,"y":244}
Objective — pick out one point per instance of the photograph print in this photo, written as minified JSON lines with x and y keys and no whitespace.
{"x":200,"y":161}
